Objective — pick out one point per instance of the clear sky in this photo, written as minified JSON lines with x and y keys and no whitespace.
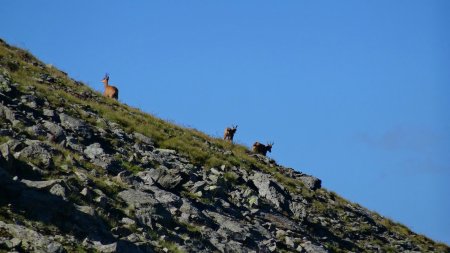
{"x":356,"y":92}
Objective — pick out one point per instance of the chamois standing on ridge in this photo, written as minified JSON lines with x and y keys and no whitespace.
{"x":110,"y":91}
{"x":229,"y":133}
{"x":262,"y":149}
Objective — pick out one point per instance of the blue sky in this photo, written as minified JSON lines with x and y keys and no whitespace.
{"x":356,"y":93}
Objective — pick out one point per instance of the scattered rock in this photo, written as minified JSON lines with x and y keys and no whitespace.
{"x":46,"y":78}
{"x":76,"y":125}
{"x":312,"y":183}
{"x":167,"y":179}
{"x":86,"y":209}
{"x":7,"y":113}
{"x":298,"y":210}
{"x":144,"y":139}
{"x":30,"y":239}
{"x":37,"y":130}
{"x":94,"y":151}
{"x":311,"y":248}
{"x":40,"y":184}
{"x":55,"y":130}
{"x":37,"y":151}
{"x":49,"y":113}
{"x":58,"y":190}
{"x":270,"y":190}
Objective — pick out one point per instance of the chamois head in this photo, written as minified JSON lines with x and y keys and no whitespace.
{"x":269,"y":147}
{"x":110,"y":91}
{"x":262,"y":149}
{"x":106,"y":78}
{"x":229,"y":133}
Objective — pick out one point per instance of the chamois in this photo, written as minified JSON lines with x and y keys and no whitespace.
{"x":229,"y":133}
{"x":110,"y":91}
{"x":262,"y":149}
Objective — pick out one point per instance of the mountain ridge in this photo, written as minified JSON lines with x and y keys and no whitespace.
{"x":84,"y":173}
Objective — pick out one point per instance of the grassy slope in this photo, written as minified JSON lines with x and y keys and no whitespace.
{"x":23,"y":68}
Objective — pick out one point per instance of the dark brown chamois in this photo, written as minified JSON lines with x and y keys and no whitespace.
{"x":110,"y":91}
{"x":229,"y":133}
{"x":262,"y":149}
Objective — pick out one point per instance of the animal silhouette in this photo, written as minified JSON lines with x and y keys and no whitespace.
{"x":262,"y":149}
{"x":110,"y":91}
{"x":229,"y":133}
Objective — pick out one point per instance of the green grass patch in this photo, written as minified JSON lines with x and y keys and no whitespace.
{"x":4,"y":139}
{"x":131,"y":167}
{"x":195,"y":197}
{"x":4,"y":233}
{"x":231,"y":177}
{"x":191,"y":228}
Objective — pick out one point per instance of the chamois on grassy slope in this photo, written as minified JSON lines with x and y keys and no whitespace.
{"x":229,"y":133}
{"x":262,"y":149}
{"x":110,"y":91}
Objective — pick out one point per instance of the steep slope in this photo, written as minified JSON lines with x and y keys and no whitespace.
{"x":82,"y":173}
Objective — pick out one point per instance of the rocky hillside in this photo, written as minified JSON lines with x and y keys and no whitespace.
{"x":82,"y":173}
